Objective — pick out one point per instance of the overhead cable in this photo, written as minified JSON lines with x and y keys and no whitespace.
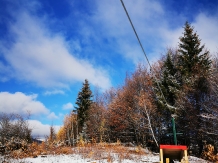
{"x":144,"y":53}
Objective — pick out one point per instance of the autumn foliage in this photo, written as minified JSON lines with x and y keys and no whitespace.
{"x":183,"y":84}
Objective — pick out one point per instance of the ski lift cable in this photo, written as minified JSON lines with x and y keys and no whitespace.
{"x":169,"y":106}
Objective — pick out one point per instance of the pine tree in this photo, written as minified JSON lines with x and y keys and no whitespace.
{"x":170,"y":88}
{"x":192,"y":60}
{"x":83,"y":102}
{"x":169,"y":83}
{"x":194,"y":68}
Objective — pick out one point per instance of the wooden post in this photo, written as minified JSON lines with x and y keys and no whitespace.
{"x":186,"y":156}
{"x":161,"y":155}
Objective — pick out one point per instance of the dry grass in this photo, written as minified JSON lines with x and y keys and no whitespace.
{"x":34,"y":150}
{"x":92,"y":151}
{"x":109,"y":151}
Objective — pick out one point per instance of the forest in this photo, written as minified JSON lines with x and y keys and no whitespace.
{"x":181,"y":86}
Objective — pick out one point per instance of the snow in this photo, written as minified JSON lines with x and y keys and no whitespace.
{"x":101,"y":154}
{"x":76,"y":158}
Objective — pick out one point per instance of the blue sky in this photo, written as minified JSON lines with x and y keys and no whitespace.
{"x":49,"y":47}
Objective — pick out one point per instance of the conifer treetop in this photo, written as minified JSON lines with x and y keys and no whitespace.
{"x":192,"y":58}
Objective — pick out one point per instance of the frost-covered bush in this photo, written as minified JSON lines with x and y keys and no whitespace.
{"x":14,"y":131}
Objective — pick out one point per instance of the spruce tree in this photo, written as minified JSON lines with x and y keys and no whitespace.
{"x":169,"y":83}
{"x":194,"y":66}
{"x":194,"y":69}
{"x":170,"y":88}
{"x":83,"y":102}
{"x":192,"y":59}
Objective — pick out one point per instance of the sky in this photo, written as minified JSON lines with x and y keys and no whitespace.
{"x":49,"y":47}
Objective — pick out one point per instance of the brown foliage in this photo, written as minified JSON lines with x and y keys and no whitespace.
{"x":126,"y":111}
{"x":96,"y":124}
{"x":69,"y":131}
{"x":109,"y":151}
{"x":208,"y":153}
{"x":35,"y":149}
{"x":61,"y":134}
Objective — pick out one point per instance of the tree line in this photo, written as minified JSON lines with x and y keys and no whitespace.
{"x":182,"y":84}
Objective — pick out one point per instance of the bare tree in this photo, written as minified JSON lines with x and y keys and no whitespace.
{"x":14,"y":130}
{"x":52,"y":135}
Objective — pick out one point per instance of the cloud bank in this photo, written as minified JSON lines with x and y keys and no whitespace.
{"x":155,"y":24}
{"x":42,"y":58}
{"x":21,"y":104}
{"x":40,"y":130}
{"x":67,"y":106}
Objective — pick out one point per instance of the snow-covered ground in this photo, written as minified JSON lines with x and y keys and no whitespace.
{"x":75,"y":158}
{"x":101,"y":153}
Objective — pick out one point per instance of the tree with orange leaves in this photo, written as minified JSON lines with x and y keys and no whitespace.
{"x":129,"y":119}
{"x":96,"y":123}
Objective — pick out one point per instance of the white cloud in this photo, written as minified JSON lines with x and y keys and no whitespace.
{"x":21,"y":103}
{"x":146,"y":17}
{"x":52,"y":116}
{"x":54,"y":92}
{"x":170,"y":37}
{"x":41,"y":130}
{"x":39,"y":57}
{"x":207,"y":29}
{"x":156,"y":28}
{"x":43,"y":58}
{"x":67,"y":106}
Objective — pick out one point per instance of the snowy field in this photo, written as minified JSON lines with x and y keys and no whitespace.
{"x":75,"y":158}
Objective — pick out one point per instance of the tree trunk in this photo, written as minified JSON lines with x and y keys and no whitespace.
{"x":149,"y":123}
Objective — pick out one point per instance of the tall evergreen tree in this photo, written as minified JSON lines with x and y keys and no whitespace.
{"x":169,"y":83}
{"x":83,"y":102}
{"x":194,"y":67}
{"x":170,"y":88}
{"x":192,"y":59}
